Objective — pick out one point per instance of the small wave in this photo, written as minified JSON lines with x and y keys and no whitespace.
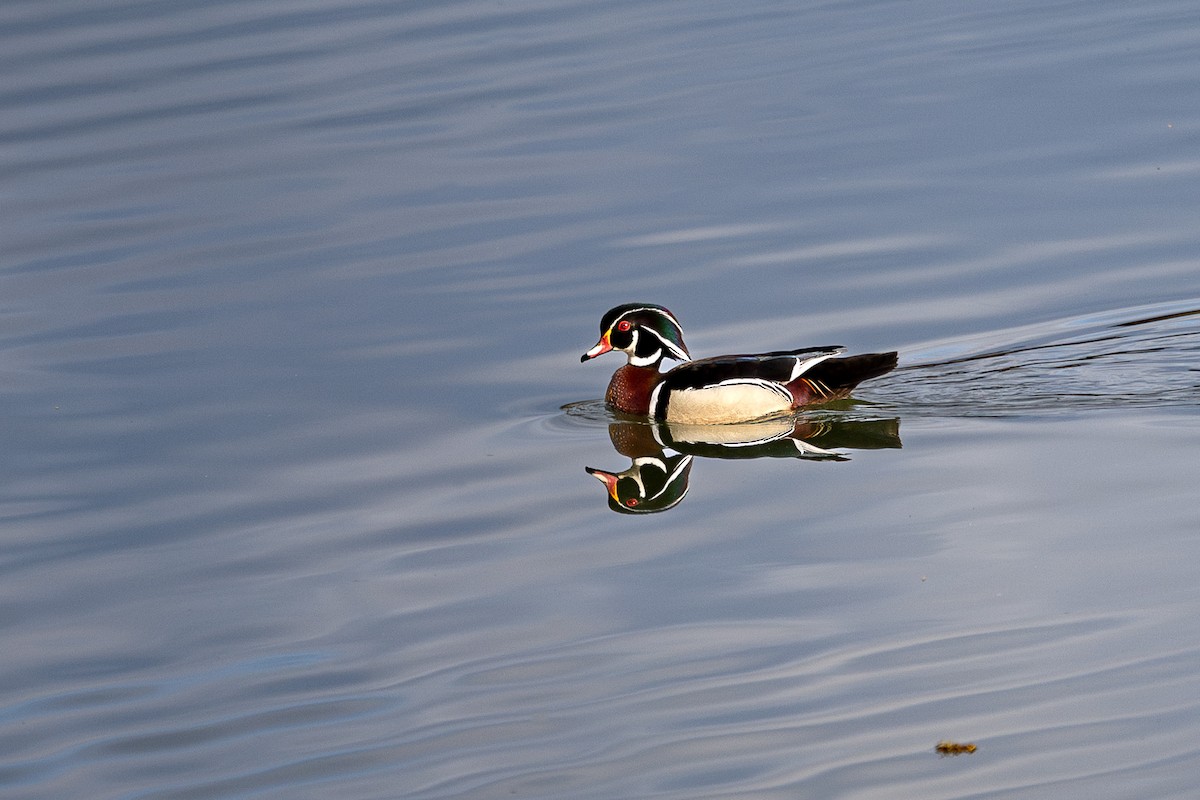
{"x":588,"y":412}
{"x":1148,"y":356}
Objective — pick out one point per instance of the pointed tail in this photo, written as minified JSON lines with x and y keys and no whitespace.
{"x":835,"y":378}
{"x":846,"y":373}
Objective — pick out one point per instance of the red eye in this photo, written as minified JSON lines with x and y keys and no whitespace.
{"x":631,"y":502}
{"x":624,"y":325}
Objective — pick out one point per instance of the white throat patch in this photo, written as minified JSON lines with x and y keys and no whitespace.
{"x":642,"y":361}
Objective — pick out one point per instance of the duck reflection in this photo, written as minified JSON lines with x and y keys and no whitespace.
{"x":661,"y":454}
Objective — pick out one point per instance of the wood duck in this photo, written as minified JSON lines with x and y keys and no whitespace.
{"x":722,"y":389}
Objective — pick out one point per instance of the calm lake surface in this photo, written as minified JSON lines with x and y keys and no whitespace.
{"x":293,"y":489}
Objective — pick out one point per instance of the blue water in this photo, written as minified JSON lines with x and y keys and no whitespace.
{"x":293,"y":500}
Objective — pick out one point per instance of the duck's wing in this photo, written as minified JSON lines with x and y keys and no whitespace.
{"x":778,"y":367}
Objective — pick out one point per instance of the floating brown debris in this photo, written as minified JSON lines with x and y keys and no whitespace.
{"x":949,"y":748}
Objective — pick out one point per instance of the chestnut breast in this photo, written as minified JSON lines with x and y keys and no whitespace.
{"x":630,"y":388}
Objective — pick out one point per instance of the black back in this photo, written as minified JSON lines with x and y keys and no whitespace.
{"x":776,"y":366}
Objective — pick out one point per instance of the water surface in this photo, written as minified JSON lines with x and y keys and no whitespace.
{"x":293,"y":494}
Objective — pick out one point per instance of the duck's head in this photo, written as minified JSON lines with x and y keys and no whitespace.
{"x":651,"y":484}
{"x":644,"y":332}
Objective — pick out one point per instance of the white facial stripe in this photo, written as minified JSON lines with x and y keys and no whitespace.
{"x":662,"y":466}
{"x":670,"y":346}
{"x":658,"y":311}
{"x":679,"y":468}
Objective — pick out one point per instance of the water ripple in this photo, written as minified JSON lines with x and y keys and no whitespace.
{"x":1145,"y":356}
{"x":291,"y":296}
{"x":767,"y":719}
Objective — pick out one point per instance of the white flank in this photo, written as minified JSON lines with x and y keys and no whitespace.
{"x":729,"y":401}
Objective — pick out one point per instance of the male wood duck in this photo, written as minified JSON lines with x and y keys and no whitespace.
{"x":723,"y":389}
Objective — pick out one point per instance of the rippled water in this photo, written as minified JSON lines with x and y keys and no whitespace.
{"x":293,"y":492}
